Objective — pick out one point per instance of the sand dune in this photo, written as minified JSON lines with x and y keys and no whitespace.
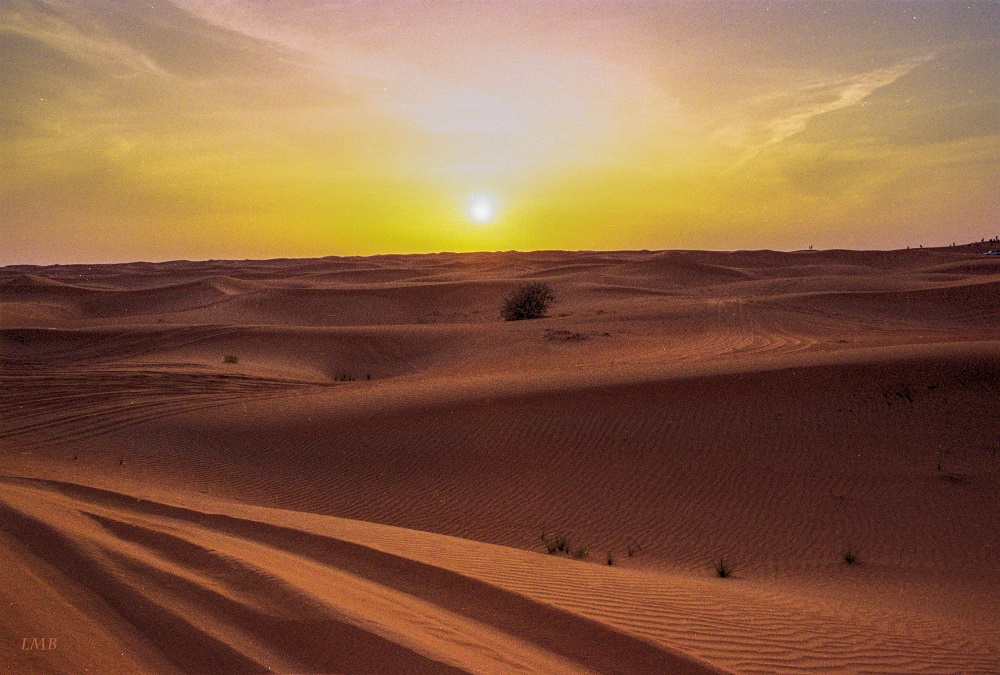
{"x":373,"y":483}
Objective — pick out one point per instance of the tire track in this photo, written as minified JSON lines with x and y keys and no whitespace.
{"x":63,"y":404}
{"x":590,"y":644}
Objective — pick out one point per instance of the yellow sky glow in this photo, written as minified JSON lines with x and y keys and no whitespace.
{"x":245,"y":128}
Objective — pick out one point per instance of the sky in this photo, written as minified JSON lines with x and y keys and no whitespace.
{"x":198,"y":129}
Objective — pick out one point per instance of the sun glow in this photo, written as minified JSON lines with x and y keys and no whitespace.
{"x":482,"y":208}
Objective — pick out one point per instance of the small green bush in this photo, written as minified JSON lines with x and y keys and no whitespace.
{"x":530,"y":301}
{"x":229,"y":358}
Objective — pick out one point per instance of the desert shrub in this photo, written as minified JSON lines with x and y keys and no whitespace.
{"x":229,"y":358}
{"x":555,"y":543}
{"x":723,"y":569}
{"x":529,"y":301}
{"x":850,"y":557}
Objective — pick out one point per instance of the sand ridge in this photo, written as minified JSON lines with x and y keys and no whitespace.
{"x":380,"y":430}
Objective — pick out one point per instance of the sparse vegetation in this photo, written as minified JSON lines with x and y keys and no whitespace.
{"x":344,"y":377}
{"x":557,"y":543}
{"x":723,"y":569}
{"x":633,"y":548}
{"x":554,"y":543}
{"x":229,"y":358}
{"x":529,"y":301}
{"x":611,"y":559}
{"x":850,"y":557}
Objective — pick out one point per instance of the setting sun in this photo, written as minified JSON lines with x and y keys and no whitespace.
{"x":482,"y":208}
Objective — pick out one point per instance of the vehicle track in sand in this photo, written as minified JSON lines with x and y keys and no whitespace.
{"x":76,"y":402}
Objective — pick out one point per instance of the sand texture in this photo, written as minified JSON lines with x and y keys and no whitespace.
{"x":371,"y":482}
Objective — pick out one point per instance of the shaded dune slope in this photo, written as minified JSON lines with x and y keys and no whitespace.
{"x":604,"y":464}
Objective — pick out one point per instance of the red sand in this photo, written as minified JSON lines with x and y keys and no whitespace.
{"x":162,"y":510}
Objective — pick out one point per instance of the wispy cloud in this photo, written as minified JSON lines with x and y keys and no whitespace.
{"x":78,"y":41}
{"x":819,"y":98}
